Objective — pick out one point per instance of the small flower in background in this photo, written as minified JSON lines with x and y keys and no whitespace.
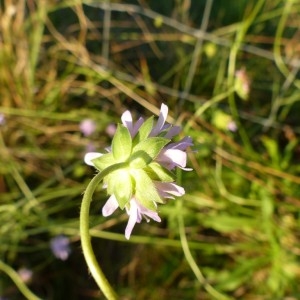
{"x":111,"y":130}
{"x":223,"y":121}
{"x":242,"y":83}
{"x":231,"y":126}
{"x":147,"y":155}
{"x":25,"y":274}
{"x":2,"y":119}
{"x":87,"y":127}
{"x":60,"y":247}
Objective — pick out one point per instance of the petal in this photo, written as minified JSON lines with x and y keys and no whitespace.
{"x":127,"y":119}
{"x":152,"y":214}
{"x":127,"y":122}
{"x":182,"y":144}
{"x":171,"y":158}
{"x":165,"y":189}
{"x":142,"y":210}
{"x":137,"y":126}
{"x":172,"y":132}
{"x":90,"y":156}
{"x":161,"y":120}
{"x":110,"y":206}
{"x":133,"y":218}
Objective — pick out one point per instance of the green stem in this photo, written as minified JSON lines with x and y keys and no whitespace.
{"x":88,"y":252}
{"x":15,"y":277}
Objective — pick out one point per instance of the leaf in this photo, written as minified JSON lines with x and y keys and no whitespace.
{"x":121,"y":144}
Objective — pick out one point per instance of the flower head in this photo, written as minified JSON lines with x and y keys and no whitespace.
{"x":110,"y":130}
{"x":25,"y":274}
{"x":242,"y":83}
{"x":2,"y":119}
{"x":60,"y":246}
{"x":146,"y":155}
{"x":231,"y":126}
{"x":87,"y":127}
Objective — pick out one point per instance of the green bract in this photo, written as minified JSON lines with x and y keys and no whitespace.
{"x":104,"y":161}
{"x":120,"y":184}
{"x":135,"y":177}
{"x":159,"y":173}
{"x":145,"y":189}
{"x":144,"y":131}
{"x":121,"y":144}
{"x":146,"y":151}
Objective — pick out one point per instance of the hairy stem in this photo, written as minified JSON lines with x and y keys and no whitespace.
{"x":88,"y":252}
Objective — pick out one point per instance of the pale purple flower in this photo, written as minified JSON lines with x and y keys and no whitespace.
{"x":231,"y":126}
{"x":60,"y":247}
{"x":87,"y":127}
{"x":110,"y":130}
{"x":136,"y":211}
{"x":2,"y":119}
{"x":169,"y":189}
{"x":243,"y":83}
{"x":25,"y":274}
{"x":127,"y":122}
{"x":171,"y":156}
{"x":174,"y":154}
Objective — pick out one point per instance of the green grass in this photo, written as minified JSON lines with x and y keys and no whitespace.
{"x":235,"y":233}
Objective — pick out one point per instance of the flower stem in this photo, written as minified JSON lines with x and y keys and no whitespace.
{"x":88,"y":252}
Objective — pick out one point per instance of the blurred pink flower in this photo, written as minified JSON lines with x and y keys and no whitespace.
{"x":231,"y":126}
{"x":87,"y":127}
{"x":25,"y":274}
{"x":2,"y":119}
{"x":110,"y":130}
{"x":243,"y":83}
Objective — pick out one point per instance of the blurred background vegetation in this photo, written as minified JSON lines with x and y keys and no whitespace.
{"x":229,"y":72}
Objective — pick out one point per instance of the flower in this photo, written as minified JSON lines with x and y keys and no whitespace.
{"x":110,"y":130}
{"x":231,"y":126}
{"x":242,"y":83}
{"x":145,"y":154}
{"x":87,"y":127}
{"x":2,"y":119}
{"x":60,"y":247}
{"x":25,"y":274}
